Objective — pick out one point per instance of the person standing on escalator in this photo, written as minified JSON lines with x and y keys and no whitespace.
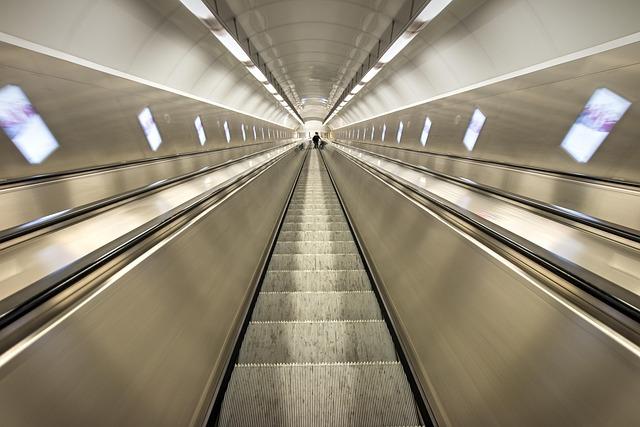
{"x":316,"y":140}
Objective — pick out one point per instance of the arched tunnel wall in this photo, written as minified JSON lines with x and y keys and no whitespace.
{"x":90,"y":68}
{"x":530,"y":67}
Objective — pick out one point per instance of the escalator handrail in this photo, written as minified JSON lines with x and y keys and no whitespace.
{"x":73,"y":213}
{"x":581,"y":218}
{"x":15,"y":306}
{"x":579,"y":277}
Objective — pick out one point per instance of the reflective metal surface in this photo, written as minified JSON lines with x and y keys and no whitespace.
{"x":149,"y":346}
{"x":29,"y":202}
{"x":490,"y":343}
{"x":618,"y":263}
{"x":23,"y":264}
{"x":617,"y":204}
{"x":94,"y":117}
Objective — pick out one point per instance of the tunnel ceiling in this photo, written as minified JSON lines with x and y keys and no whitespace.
{"x":314,"y":47}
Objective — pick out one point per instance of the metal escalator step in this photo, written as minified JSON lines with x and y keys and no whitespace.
{"x":338,"y":395}
{"x":314,"y":218}
{"x":287,"y":306}
{"x":316,"y":262}
{"x":316,"y":247}
{"x":315,"y":226}
{"x":295,"y":236}
{"x":315,"y":211}
{"x":317,"y":342}
{"x":327,"y":280}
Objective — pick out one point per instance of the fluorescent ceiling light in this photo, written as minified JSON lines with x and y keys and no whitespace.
{"x":371,"y":74}
{"x":257,"y":74}
{"x":432,"y":10}
{"x":198,"y":8}
{"x":279,"y":98}
{"x":202,"y":12}
{"x":397,"y":46}
{"x":271,"y":89}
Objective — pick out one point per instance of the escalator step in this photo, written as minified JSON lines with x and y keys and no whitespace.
{"x":316,"y":247}
{"x":315,"y":226}
{"x":314,"y":218}
{"x":335,"y":236}
{"x":283,"y":306}
{"x":317,"y":342}
{"x":328,"y":280}
{"x":316,"y":262}
{"x":339,"y":395}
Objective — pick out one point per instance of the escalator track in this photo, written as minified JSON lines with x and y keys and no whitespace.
{"x":317,"y":350}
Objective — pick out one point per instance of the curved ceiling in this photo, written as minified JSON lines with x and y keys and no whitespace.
{"x":314,"y":47}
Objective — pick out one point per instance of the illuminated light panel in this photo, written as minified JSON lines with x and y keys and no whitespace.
{"x":603,"y":110}
{"x":227,"y":132}
{"x":24,"y":126}
{"x":244,"y":134}
{"x":473,"y":130}
{"x":255,"y":137}
{"x":151,"y":132}
{"x":433,"y":9}
{"x":400,"y":129}
{"x":262,"y":133}
{"x":384,"y":132}
{"x":358,"y":135}
{"x":202,"y":136}
{"x":373,"y":131}
{"x":425,"y":131}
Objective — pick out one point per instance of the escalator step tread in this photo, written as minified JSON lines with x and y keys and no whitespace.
{"x":333,"y":261}
{"x":316,"y":247}
{"x":328,"y":280}
{"x":314,"y":342}
{"x":316,"y":306}
{"x":315,"y":226}
{"x":328,"y":235}
{"x":375,"y":394}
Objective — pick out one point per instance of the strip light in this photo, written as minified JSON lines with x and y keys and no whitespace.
{"x":431,"y":10}
{"x":202,"y":12}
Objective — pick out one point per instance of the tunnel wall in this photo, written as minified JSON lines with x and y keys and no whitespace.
{"x":530,"y":67}
{"x":93,"y":116}
{"x":156,"y":40}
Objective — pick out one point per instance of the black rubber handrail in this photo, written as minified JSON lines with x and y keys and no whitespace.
{"x":20,"y":303}
{"x":69,"y":214}
{"x":583,"y":279}
{"x":566,"y":175}
{"x":597,"y":223}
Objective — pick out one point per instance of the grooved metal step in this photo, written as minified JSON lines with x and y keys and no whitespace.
{"x":317,"y":351}
{"x":337,"y":395}
{"x":317,"y":342}
{"x":287,"y":306}
{"x":333,"y":261}
{"x":314,"y":218}
{"x":328,"y":280}
{"x":333,"y":236}
{"x":316,"y":247}
{"x":315,"y":226}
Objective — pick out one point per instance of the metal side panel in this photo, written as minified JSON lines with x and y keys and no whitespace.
{"x":488,"y":343}
{"x":25,"y":203}
{"x":614,"y":203}
{"x":151,"y":344}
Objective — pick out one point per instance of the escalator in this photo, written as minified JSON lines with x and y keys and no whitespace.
{"x":317,"y":350}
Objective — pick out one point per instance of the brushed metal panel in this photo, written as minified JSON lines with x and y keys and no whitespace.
{"x":490,"y":345}
{"x":147,"y":349}
{"x":617,"y":204}
{"x":25,"y":203}
{"x":93,"y":115}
